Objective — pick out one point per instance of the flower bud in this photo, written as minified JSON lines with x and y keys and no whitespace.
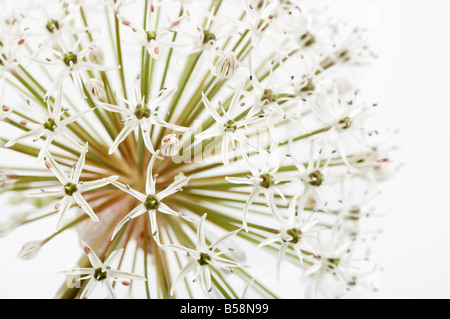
{"x":170,"y":145}
{"x":30,"y":249}
{"x":96,"y":88}
{"x":96,"y":56}
{"x":226,"y":66}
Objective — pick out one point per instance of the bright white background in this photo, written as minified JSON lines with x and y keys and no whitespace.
{"x":410,"y":83}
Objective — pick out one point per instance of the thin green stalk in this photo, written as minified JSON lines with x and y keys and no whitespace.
{"x":119,"y":56}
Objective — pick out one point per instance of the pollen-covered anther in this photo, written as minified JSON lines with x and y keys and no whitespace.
{"x":87,"y":250}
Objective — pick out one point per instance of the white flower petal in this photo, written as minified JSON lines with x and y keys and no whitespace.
{"x":150,"y":182}
{"x":130,"y":125}
{"x":127,"y":189}
{"x":173,"y":188}
{"x":80,"y":164}
{"x":85,"y":206}
{"x":192,"y":264}
{"x":90,"y":286}
{"x":137,"y":211}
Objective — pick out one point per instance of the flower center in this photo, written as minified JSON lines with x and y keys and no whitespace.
{"x":230,"y":126}
{"x":267,"y":180}
{"x":354,"y":213}
{"x":345,"y":123}
{"x":204,"y":259}
{"x":332,"y":263}
{"x":52,"y":25}
{"x":316,"y":178}
{"x":151,"y":35}
{"x":296,"y":234}
{"x":151,"y":202}
{"x":70,"y":57}
{"x":344,"y":55}
{"x":50,"y":125}
{"x":208,"y":37}
{"x":308,"y":39}
{"x":70,"y":189}
{"x":268,"y":96}
{"x":309,"y":87}
{"x":99,"y":274}
{"x":141,"y":112}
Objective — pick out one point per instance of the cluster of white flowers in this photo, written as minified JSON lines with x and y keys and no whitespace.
{"x":243,"y":111}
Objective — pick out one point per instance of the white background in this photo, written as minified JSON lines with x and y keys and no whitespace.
{"x":410,"y":83}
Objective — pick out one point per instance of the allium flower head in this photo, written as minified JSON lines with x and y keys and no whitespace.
{"x":174,"y":137}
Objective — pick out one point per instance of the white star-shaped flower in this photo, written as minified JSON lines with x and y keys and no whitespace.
{"x":101,"y":274}
{"x":72,"y":188}
{"x":72,"y":61}
{"x":151,"y":201}
{"x":295,"y":231}
{"x":345,"y":119}
{"x":263,"y":181}
{"x":230,"y":129}
{"x":49,"y":125}
{"x":141,"y":115}
{"x":153,"y":40}
{"x":203,"y":257}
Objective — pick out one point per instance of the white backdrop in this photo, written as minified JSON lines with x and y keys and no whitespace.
{"x":410,"y":83}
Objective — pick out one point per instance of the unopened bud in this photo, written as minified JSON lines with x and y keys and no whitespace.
{"x":96,"y":88}
{"x":30,"y":250}
{"x":96,"y":56}
{"x":226,"y":66}
{"x":170,"y":145}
